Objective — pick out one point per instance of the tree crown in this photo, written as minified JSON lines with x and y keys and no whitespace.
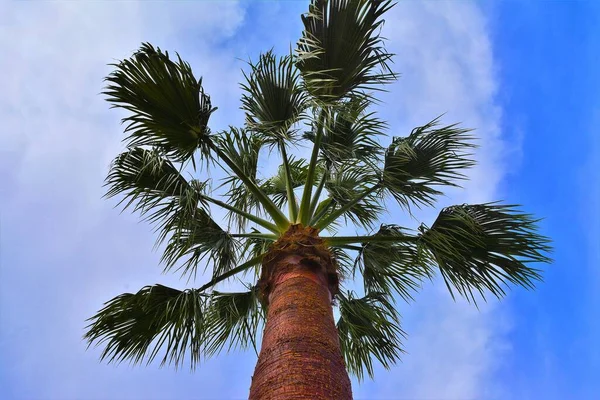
{"x":326,"y":88}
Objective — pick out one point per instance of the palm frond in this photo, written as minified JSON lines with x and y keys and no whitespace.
{"x":229,"y":147}
{"x":276,"y":185}
{"x":350,"y":133}
{"x":145,"y":178}
{"x":388,"y":266}
{"x":243,"y":147}
{"x":175,"y":206}
{"x":348,"y":183}
{"x":368,"y":327}
{"x":429,"y":157}
{"x":233,"y":318}
{"x":483,"y":247}
{"x":168,"y":106}
{"x":254,"y":247}
{"x":344,"y":262}
{"x":242,"y":268}
{"x":181,"y":323}
{"x":340,"y":50}
{"x":273,"y":98}
{"x":198,"y":238}
{"x":136,"y":326}
{"x":153,"y":186}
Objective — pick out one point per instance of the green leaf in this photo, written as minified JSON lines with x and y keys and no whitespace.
{"x":368,"y":327}
{"x":340,"y":50}
{"x":484,"y":247}
{"x":350,"y":133}
{"x":226,"y":149}
{"x":243,"y":148}
{"x":273,"y":98}
{"x":153,"y":186}
{"x":145,"y":178}
{"x":429,"y":157}
{"x":197,"y":237}
{"x":134,"y":326}
{"x":254,"y":261}
{"x":168,"y":106}
{"x":344,"y":262}
{"x":347,"y":184}
{"x":233,"y":318}
{"x":180,"y":323}
{"x":392,"y":265}
{"x":276,"y":185}
{"x":175,"y":206}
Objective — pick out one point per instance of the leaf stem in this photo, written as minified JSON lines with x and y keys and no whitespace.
{"x":266,"y":236}
{"x":265,"y":224}
{"x":248,"y":264}
{"x":323,"y":223}
{"x":304,"y":215}
{"x":292,"y":205}
{"x":342,"y":241}
{"x":315,"y":199}
{"x":322,"y":212}
{"x":278,"y":217}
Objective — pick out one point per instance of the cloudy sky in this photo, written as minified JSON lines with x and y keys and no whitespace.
{"x":523,"y":73}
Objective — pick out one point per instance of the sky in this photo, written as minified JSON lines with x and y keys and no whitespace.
{"x":522,"y":73}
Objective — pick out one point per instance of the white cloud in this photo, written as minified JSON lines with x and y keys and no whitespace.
{"x":64,"y":250}
{"x":445,"y":57}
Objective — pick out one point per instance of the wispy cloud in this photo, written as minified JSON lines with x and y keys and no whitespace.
{"x":65,"y":251}
{"x":446,"y":60}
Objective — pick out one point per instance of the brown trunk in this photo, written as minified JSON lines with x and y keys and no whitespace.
{"x":300,"y":357}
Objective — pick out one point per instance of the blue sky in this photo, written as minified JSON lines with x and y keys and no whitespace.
{"x":523,"y":73}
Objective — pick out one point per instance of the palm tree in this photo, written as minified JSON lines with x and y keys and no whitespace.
{"x":282,"y":229}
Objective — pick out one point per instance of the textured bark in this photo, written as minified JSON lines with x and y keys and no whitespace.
{"x":300,"y":356}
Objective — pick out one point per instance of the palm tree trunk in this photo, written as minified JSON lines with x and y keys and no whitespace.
{"x":300,"y":357}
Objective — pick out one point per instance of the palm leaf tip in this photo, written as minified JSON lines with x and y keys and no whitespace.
{"x":368,"y":327}
{"x":233,"y":318}
{"x":430,"y":156}
{"x":392,"y":265}
{"x":196,"y":237}
{"x":340,"y":50}
{"x":350,"y":133}
{"x":272,"y":98}
{"x":243,"y":148}
{"x":168,"y":106}
{"x":484,"y":247}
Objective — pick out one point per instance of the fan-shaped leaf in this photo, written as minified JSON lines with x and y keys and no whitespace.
{"x":233,"y":318}
{"x":168,"y":106}
{"x":181,"y":323}
{"x":243,"y":148}
{"x":175,"y":206}
{"x":276,"y":185}
{"x":484,"y":247}
{"x":350,"y":133}
{"x":145,"y":178}
{"x":368,"y":327}
{"x":273,"y":98}
{"x":340,"y":50}
{"x":347,"y":184}
{"x":388,"y":266}
{"x":134,"y":326}
{"x":429,"y":157}
{"x":196,"y":236}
